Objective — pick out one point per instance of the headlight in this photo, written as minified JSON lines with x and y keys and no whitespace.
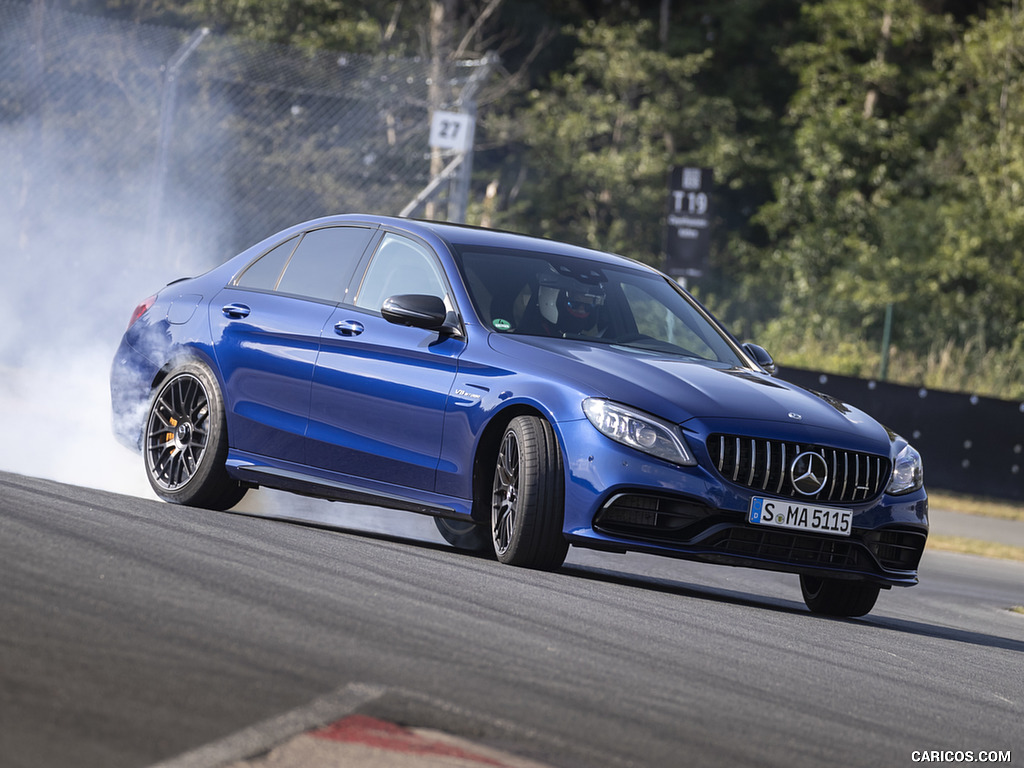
{"x":907,"y":472}
{"x":638,"y":430}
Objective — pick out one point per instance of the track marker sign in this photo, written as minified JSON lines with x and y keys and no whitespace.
{"x":451,"y":130}
{"x":688,"y":225}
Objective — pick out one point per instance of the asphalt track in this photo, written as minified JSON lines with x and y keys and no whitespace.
{"x":133,"y":632}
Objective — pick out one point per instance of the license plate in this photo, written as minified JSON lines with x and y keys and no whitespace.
{"x":803,"y":517}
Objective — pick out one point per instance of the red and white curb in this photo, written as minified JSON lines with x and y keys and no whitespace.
{"x":358,"y":740}
{"x":329,"y":733}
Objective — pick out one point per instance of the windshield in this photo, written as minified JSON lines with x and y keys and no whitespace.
{"x":539,"y":294}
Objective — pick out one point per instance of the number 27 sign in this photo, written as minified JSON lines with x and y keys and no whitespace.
{"x":451,"y":130}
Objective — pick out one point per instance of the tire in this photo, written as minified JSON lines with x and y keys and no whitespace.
{"x":465,"y":535}
{"x":528,"y":497}
{"x":185,"y":445}
{"x":836,"y":597}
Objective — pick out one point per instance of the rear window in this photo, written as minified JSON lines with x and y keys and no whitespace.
{"x":317,"y":265}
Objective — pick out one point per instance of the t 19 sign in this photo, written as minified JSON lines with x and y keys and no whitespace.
{"x":688,"y":225}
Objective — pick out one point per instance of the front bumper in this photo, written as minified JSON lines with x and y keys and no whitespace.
{"x":888,"y":555}
{"x":620,"y":500}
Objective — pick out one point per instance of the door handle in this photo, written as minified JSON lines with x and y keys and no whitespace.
{"x":236,"y":311}
{"x":348,"y":328}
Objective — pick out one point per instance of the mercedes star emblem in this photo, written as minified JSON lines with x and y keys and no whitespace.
{"x":809,"y":473}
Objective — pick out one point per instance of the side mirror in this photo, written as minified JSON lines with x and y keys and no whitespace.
{"x":761,"y":357}
{"x":418,"y":311}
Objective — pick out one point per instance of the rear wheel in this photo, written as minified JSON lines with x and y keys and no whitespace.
{"x":186,"y":441}
{"x":836,"y":597}
{"x":528,"y":497}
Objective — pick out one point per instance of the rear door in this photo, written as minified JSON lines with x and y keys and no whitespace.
{"x":266,"y":327}
{"x":379,"y":389}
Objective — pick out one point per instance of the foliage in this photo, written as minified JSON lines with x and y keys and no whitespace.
{"x":906,"y":190}
{"x":866,"y":152}
{"x":844,"y":242}
{"x":599,"y":138}
{"x":969,"y":367}
{"x":978,"y":273}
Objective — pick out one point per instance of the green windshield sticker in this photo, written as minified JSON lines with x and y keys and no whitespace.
{"x":501,"y":325}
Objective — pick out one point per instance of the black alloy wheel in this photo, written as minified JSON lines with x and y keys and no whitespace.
{"x":527,"y":498}
{"x":185,"y":443}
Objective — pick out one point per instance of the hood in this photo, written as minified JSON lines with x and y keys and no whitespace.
{"x":681,"y":389}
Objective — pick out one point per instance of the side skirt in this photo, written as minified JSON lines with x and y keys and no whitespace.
{"x":307,"y":484}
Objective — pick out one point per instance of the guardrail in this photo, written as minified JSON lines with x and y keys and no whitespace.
{"x":969,"y":444}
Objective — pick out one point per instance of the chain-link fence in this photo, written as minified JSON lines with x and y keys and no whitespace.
{"x":190,"y":142}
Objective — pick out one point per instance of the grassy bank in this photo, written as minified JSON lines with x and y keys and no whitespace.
{"x":967,"y":546}
{"x":970,"y":505}
{"x":970,"y":368}
{"x":974,"y":505}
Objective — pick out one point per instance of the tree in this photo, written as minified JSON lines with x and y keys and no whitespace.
{"x":603,"y":134}
{"x":846,"y":220}
{"x":976,"y":278}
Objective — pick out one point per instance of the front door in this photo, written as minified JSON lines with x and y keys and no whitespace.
{"x":379,"y":389}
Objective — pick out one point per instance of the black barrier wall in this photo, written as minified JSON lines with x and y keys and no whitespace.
{"x":969,"y":444}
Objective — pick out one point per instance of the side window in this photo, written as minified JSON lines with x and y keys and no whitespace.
{"x":400,"y":265}
{"x":324,"y":261}
{"x":264,"y":273}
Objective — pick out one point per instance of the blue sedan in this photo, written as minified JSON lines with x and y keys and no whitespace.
{"x":527,"y":394}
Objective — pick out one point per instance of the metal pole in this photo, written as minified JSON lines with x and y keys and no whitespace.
{"x":167,"y":109}
{"x":886,"y":339}
{"x":458,"y":191}
{"x":428,"y":190}
{"x":458,"y":194}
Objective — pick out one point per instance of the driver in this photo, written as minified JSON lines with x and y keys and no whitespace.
{"x":568,"y":307}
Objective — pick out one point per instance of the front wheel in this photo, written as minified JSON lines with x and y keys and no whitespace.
{"x":465,"y":535}
{"x":186,"y":441}
{"x":528,"y":497}
{"x":836,"y":597}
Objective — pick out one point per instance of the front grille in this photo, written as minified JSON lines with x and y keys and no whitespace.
{"x":764,"y":466}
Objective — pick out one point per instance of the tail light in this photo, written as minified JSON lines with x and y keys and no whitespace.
{"x":141,"y":309}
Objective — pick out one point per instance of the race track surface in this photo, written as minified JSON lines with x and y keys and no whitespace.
{"x":134,"y":631}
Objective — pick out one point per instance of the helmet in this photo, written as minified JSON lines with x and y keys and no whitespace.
{"x":568,"y":305}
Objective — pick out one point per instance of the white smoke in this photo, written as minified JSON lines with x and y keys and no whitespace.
{"x":68,"y":294}
{"x":76,"y":166}
{"x":71,"y":280}
{"x":79,"y":251}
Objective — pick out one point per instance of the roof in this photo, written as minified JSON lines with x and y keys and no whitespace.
{"x":466,"y":235}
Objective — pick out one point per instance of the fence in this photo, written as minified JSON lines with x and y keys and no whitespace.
{"x":123,"y":142}
{"x":969,"y":444}
{"x":188,"y":141}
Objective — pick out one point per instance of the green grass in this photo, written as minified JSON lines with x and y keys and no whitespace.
{"x":972,"y":505}
{"x":967,"y":546}
{"x":976,"y":505}
{"x":969,"y":367}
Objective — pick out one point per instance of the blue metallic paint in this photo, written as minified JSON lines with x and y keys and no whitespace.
{"x":265,"y":361}
{"x":379,"y":399}
{"x":408,"y":418}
